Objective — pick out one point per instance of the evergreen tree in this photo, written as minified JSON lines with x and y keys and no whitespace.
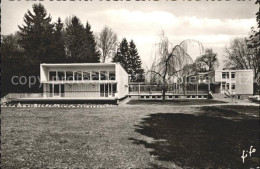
{"x":93,"y":53}
{"x":74,"y":39}
{"x":13,"y":61}
{"x":58,"y":43}
{"x":36,"y":37}
{"x":135,"y":63}
{"x":123,"y":56}
{"x":129,"y":58}
{"x":80,"y":43}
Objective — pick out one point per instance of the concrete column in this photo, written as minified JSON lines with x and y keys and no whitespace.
{"x":44,"y":90}
{"x":139,"y":88}
{"x":197,"y":86}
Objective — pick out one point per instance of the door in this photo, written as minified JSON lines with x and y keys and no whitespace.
{"x":104,"y":90}
{"x":56,"y":91}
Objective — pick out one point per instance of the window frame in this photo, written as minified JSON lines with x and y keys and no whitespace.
{"x":64,"y":75}
{"x":233,"y":73}
{"x":92,"y":72}
{"x":66,"y":72}
{"x":225,"y":75}
{"x":114,"y":75}
{"x":49,"y":77}
{"x":106,"y":74}
{"x":83,"y":77}
{"x":75,"y":77}
{"x":233,"y":85}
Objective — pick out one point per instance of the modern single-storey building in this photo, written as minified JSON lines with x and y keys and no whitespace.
{"x":84,"y":81}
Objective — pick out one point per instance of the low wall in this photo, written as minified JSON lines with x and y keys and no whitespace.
{"x":167,"y":97}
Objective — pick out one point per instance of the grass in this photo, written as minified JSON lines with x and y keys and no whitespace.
{"x":72,"y":137}
{"x":214,"y":137}
{"x":127,"y":137}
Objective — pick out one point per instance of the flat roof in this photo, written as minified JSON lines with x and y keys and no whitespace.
{"x":76,"y":64}
{"x":235,"y":70}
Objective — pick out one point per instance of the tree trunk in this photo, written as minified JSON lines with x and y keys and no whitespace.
{"x":163,"y":94}
{"x":103,"y":59}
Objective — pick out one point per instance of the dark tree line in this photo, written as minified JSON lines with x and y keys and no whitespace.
{"x":39,"y":40}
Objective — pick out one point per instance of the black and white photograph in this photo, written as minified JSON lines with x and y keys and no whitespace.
{"x":130,"y":84}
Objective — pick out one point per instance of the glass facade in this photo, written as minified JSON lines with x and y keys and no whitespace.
{"x":52,"y":76}
{"x":61,"y":75}
{"x":103,"y":75}
{"x":86,"y":75}
{"x":81,"y":75}
{"x":94,"y":75}
{"x":69,"y":75}
{"x":112,"y":75}
{"x":78,"y":75}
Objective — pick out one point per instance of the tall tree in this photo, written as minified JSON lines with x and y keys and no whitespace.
{"x":59,"y":55}
{"x":80,"y":42}
{"x":12,"y":62}
{"x":239,"y":56}
{"x":208,"y":61}
{"x":123,"y":56}
{"x":107,"y":43}
{"x":91,"y":46}
{"x":135,"y":63}
{"x":36,"y":37}
{"x":253,"y":43}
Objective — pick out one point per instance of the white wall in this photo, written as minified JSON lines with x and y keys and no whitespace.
{"x":244,"y":82}
{"x":122,"y":79}
{"x":43,"y":73}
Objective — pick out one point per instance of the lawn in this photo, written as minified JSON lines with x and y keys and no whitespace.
{"x":213,"y":137}
{"x":128,"y":136}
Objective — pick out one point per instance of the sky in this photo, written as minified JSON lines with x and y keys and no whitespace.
{"x":213,"y":23}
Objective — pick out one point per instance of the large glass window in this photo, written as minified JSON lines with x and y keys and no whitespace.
{"x":112,"y":75}
{"x":78,"y":75}
{"x":103,"y":75}
{"x":233,"y":75}
{"x":94,"y":75}
{"x":86,"y":75}
{"x":69,"y":75}
{"x":52,"y":76}
{"x":61,"y":75}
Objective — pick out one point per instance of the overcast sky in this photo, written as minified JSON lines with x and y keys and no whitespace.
{"x":212,"y":23}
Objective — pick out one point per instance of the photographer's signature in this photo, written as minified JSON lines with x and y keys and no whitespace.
{"x":244,"y":154}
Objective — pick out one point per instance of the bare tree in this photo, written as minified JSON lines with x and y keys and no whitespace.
{"x":239,"y":56}
{"x":207,"y":62}
{"x":107,"y":42}
{"x":170,"y":61}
